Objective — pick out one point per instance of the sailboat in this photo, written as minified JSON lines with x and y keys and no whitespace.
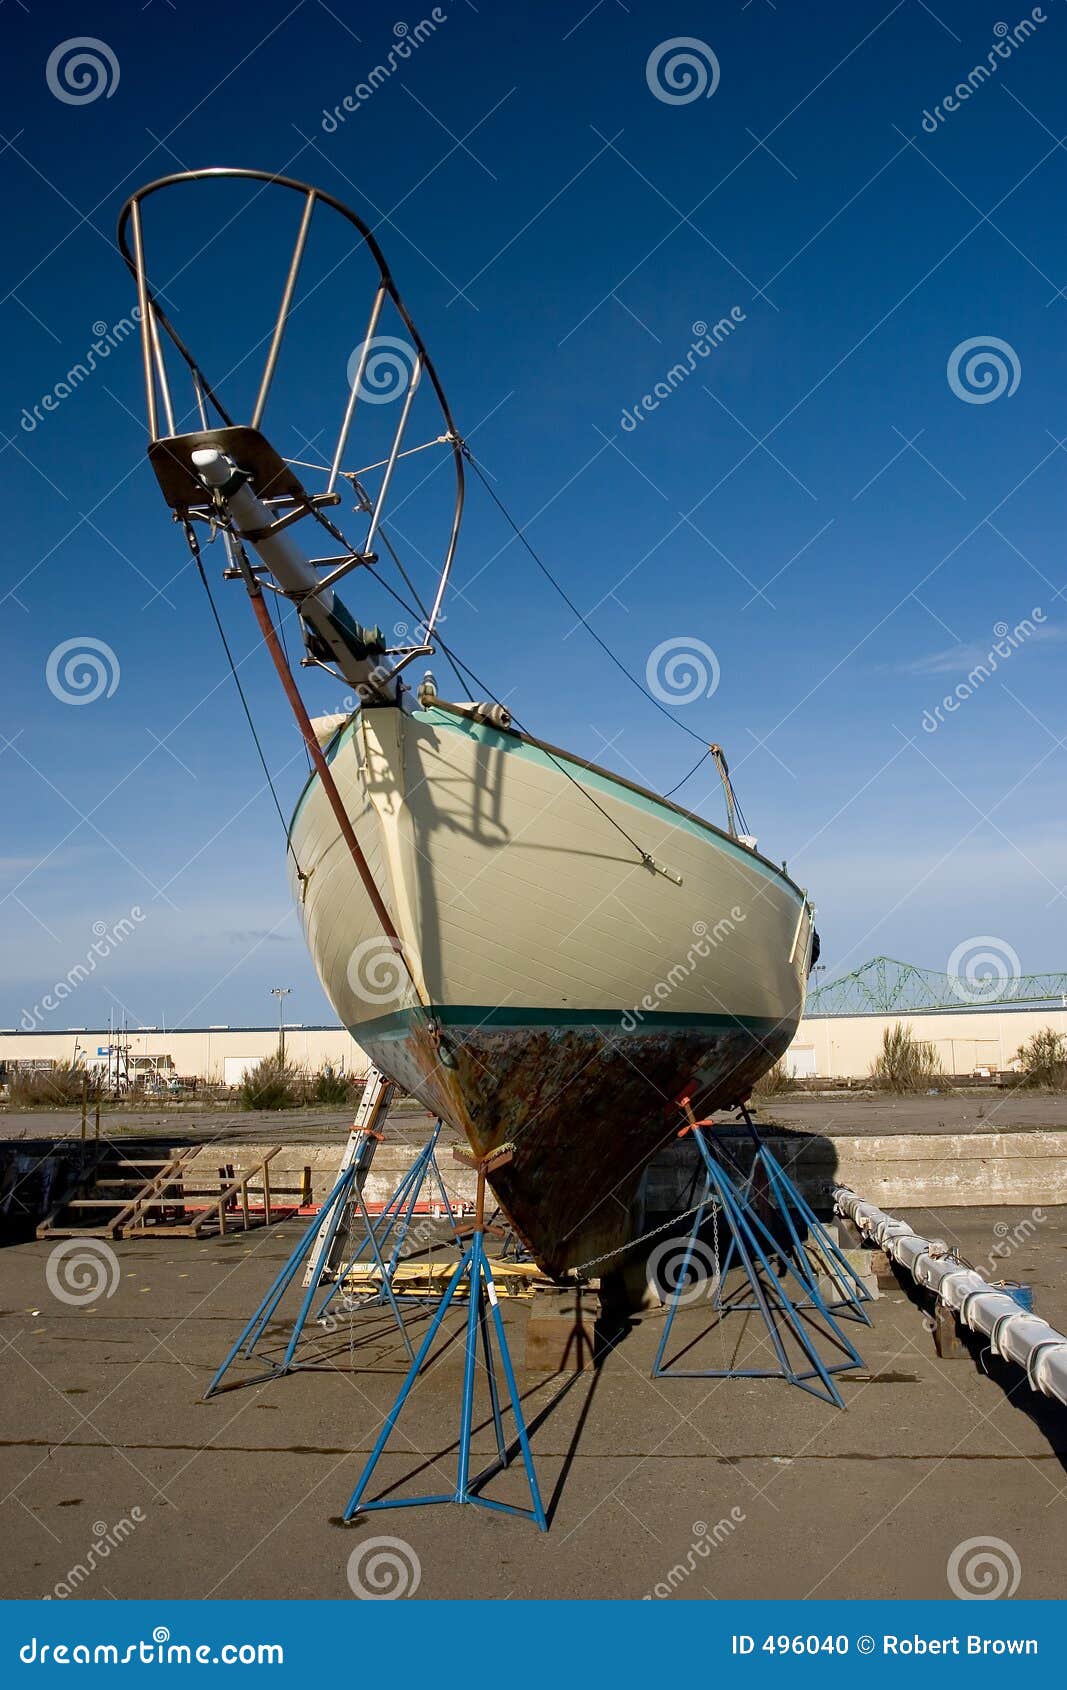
{"x":547,"y":955}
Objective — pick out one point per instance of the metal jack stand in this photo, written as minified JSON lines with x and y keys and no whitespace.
{"x":781,"y":1193}
{"x":395,"y":1217}
{"x":318,"y":1241}
{"x":475,"y":1267}
{"x":753,"y":1245}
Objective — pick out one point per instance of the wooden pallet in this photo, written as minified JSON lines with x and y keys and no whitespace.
{"x":425,"y":1278}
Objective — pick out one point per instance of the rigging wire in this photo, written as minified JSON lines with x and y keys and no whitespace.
{"x":588,"y":626}
{"x":569,"y":602}
{"x":702,"y":758}
{"x":194,"y":547}
{"x":391,"y":549}
{"x":457,"y":663}
{"x":422,"y":609}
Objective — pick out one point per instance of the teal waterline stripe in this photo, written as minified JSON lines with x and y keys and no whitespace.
{"x":482,"y":1015}
{"x":485,"y":735}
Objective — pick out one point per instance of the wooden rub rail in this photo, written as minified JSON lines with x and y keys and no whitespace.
{"x":131,"y":1197}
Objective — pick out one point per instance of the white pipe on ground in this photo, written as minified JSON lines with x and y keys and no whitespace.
{"x":1023,"y":1338}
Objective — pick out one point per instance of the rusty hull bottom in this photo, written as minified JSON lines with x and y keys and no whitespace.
{"x":585,"y":1106}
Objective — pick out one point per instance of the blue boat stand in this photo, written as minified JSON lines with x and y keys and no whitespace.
{"x":752,"y":1245}
{"x":483,"y":1324}
{"x":320,"y":1243}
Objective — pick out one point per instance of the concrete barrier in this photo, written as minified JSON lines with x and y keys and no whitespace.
{"x":906,"y":1170}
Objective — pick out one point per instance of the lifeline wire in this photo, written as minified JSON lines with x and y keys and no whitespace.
{"x":457,"y":663}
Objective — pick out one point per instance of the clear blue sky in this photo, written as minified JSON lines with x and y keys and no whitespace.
{"x":816,"y":502}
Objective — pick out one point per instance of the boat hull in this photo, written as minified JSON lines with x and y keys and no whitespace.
{"x":565,"y":994}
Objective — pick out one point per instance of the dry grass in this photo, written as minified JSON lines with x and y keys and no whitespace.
{"x":274,"y":1084}
{"x":271,"y":1084}
{"x":906,"y":1064}
{"x":333,"y":1085}
{"x":1043,"y":1060}
{"x":53,"y":1088}
{"x":775,"y":1082}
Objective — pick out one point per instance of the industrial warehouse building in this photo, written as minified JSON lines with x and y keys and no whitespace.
{"x":839,"y":1039}
{"x":221,"y":1055}
{"x":974,"y":1042}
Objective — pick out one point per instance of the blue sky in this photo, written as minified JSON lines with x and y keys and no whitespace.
{"x":843,"y":521}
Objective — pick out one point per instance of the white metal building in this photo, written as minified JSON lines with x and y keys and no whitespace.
{"x":968,"y":1041}
{"x":219,"y":1054}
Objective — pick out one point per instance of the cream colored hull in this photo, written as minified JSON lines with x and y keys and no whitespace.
{"x":565,"y":992}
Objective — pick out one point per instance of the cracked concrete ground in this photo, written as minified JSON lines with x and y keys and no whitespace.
{"x":743,"y":1487}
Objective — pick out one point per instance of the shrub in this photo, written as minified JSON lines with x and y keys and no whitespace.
{"x":775,"y":1081}
{"x":332,"y":1085}
{"x":51,"y":1088}
{"x":906,"y":1064}
{"x":1043,"y":1060}
{"x":271,"y":1084}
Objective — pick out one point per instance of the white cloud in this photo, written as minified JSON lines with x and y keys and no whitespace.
{"x":961,"y":659}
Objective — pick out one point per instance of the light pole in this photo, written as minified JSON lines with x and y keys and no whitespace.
{"x":281,"y":993}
